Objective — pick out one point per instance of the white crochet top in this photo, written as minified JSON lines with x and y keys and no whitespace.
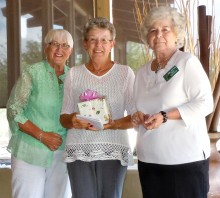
{"x":117,"y":86}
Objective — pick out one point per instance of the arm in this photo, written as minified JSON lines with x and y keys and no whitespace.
{"x":19,"y":123}
{"x":155,"y":120}
{"x":70,"y":121}
{"x":49,"y":139}
{"x":125,"y":122}
{"x":122,"y":123}
{"x":199,"y":93}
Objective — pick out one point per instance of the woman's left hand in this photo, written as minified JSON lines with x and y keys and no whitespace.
{"x":111,"y":125}
{"x":154,"y":121}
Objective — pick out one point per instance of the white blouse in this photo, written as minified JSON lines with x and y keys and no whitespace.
{"x":189,"y":90}
{"x":117,"y":87}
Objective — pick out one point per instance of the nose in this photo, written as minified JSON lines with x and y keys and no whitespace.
{"x":98,"y":42}
{"x":58,"y":46}
{"x":159,"y":33}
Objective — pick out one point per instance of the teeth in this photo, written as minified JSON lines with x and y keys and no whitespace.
{"x":59,"y":55}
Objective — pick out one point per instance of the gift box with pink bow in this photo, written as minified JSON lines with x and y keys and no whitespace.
{"x":93,"y":105}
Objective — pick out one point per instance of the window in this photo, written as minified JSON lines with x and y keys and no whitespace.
{"x":4,"y":138}
{"x":136,"y":55}
{"x":3,"y":55}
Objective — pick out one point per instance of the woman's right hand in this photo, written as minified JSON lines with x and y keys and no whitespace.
{"x":79,"y":123}
{"x":139,"y":118}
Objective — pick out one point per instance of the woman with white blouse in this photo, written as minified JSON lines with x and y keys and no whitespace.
{"x":172,"y":96}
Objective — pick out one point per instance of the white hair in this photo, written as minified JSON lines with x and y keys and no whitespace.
{"x":59,"y":35}
{"x":165,"y":12}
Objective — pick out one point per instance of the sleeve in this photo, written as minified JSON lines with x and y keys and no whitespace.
{"x":18,"y":101}
{"x":129,"y":101}
{"x":198,"y":90}
{"x":67,"y":107}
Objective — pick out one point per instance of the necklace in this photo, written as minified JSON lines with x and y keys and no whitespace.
{"x":105,"y":69}
{"x":160,"y":64}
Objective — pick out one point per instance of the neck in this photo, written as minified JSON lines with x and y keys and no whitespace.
{"x":161,"y":60}
{"x":99,"y":68}
{"x":59,"y":70}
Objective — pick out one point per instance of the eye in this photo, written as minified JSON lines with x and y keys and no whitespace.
{"x":152,"y":30}
{"x":166,"y":29}
{"x":104,"y":41}
{"x":92,"y":40}
{"x":64,"y":45}
{"x":54,"y":43}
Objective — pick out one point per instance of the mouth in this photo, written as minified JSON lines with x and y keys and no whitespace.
{"x":98,"y":51}
{"x":58,"y":55}
{"x":160,"y":43}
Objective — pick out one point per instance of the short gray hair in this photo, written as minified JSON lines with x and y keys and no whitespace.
{"x":99,"y":22}
{"x":59,"y":34}
{"x":163,"y":12}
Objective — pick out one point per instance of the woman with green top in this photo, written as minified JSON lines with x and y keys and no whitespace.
{"x":33,"y":112}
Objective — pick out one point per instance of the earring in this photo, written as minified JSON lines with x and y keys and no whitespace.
{"x":67,"y":62}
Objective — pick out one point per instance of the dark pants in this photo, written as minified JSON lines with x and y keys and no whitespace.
{"x":97,"y":179}
{"x":189,"y":180}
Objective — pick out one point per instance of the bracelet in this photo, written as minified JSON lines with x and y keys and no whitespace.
{"x":164,"y":114}
{"x":40,"y":136}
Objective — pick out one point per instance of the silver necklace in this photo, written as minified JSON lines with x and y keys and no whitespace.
{"x":160,"y":65}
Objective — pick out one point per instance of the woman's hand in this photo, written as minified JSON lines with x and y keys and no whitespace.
{"x":138,"y":118}
{"x":51,"y":140}
{"x":153,"y":121}
{"x":79,"y":123}
{"x":113,"y":124}
{"x":121,"y":123}
{"x":70,"y":121}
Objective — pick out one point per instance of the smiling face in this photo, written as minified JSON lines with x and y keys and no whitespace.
{"x":99,"y":44}
{"x":161,"y":36}
{"x":57,"y":52}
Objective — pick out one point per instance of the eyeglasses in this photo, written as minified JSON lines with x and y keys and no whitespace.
{"x":102,"y":41}
{"x":55,"y":44}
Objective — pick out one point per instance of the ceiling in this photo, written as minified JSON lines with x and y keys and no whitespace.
{"x":124,"y":14}
{"x":125,"y":17}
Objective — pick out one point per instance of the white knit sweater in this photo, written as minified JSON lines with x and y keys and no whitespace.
{"x":117,"y":86}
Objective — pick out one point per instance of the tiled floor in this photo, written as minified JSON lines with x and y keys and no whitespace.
{"x":214,"y":163}
{"x":214,"y":169}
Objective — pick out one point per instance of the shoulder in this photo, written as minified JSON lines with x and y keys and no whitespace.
{"x":124,"y":68}
{"x":189,"y":63}
{"x":77,"y":68}
{"x":34,"y":68}
{"x":185,"y":56}
{"x":143,"y":69}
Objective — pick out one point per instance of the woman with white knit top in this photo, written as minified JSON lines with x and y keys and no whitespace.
{"x":97,"y":160}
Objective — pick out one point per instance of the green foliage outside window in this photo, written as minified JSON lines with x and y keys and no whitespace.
{"x":136,"y":55}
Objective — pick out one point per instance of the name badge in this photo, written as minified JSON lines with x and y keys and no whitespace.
{"x":171,"y":73}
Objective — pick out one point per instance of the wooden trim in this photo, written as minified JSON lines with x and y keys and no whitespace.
{"x":13,"y":41}
{"x":102,"y":8}
{"x":47,"y":20}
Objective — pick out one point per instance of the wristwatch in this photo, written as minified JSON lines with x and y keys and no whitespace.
{"x":164,"y":114}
